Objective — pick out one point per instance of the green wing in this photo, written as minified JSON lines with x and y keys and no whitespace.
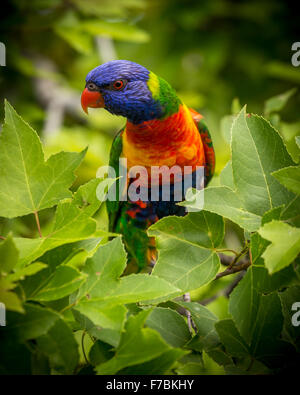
{"x":114,"y":207}
{"x":208,"y":150}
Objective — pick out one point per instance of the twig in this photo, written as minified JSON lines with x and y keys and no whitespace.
{"x":237,"y":267}
{"x":187,"y":298}
{"x":38,"y":223}
{"x":229,"y":250}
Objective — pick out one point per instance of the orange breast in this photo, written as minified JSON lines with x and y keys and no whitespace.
{"x":174,"y":141}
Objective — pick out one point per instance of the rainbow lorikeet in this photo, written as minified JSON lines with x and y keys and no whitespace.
{"x":160,"y":131}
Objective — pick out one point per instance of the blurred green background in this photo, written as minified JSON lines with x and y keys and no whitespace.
{"x":218,"y":55}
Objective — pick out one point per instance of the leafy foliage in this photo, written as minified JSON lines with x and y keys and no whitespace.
{"x":72,"y":304}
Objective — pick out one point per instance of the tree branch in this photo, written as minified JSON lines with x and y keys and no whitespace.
{"x":243,"y":264}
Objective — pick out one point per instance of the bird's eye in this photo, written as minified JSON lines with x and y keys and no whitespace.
{"x":118,"y":85}
{"x":91,"y":86}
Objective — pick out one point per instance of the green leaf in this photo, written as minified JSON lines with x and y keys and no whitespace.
{"x":284,"y":247}
{"x":225,"y":202}
{"x":60,"y":347}
{"x":100,"y":352}
{"x":72,"y":222}
{"x":257,"y":151}
{"x":104,"y":285}
{"x":226,"y":176}
{"x":29,"y":270}
{"x":9,"y":255}
{"x":61,"y":283}
{"x":186,"y":249}
{"x":277,"y":103}
{"x":232,"y":340}
{"x":289,"y":177}
{"x":258,"y":319}
{"x":204,"y":320}
{"x":28,"y":183}
{"x":244,"y":304}
{"x":103,"y":315}
{"x":170,"y":325}
{"x":160,"y":365}
{"x":265,"y":343}
{"x":10,"y":299}
{"x":34,"y":323}
{"x":137,"y":345}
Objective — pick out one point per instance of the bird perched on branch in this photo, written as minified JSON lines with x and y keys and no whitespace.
{"x":160,"y":131}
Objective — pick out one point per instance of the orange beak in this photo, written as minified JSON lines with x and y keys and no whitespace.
{"x":91,"y":99}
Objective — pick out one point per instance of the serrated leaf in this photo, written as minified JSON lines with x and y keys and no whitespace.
{"x":28,"y":183}
{"x":104,"y":284}
{"x":257,"y":151}
{"x":289,"y":177}
{"x":61,"y":283}
{"x":72,"y":223}
{"x":137,"y":345}
{"x":284,"y":247}
{"x":186,"y":249}
{"x":226,"y":176}
{"x":170,"y":324}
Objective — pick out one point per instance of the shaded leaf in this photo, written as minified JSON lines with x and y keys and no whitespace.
{"x":170,"y":324}
{"x":137,"y":345}
{"x":60,"y":347}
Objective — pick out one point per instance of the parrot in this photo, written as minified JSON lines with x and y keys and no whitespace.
{"x":161,"y":131}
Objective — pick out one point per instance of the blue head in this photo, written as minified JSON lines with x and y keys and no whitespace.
{"x":125,"y":88}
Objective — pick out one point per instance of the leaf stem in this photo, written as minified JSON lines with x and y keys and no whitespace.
{"x":38,"y":223}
